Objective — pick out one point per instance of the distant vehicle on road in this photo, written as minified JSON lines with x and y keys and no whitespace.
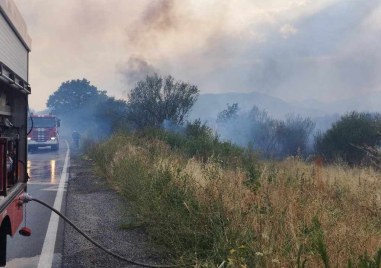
{"x":43,"y":132}
{"x":14,"y":90}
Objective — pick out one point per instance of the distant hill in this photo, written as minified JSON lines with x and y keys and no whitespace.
{"x":323,"y":114}
{"x":209,"y":105}
{"x":362,"y":103}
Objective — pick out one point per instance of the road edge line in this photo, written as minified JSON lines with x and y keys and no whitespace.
{"x":47,"y":252}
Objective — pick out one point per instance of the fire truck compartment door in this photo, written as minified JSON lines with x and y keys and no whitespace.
{"x":12,"y":51}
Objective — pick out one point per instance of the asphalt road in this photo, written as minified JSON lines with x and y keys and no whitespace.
{"x":44,"y":168}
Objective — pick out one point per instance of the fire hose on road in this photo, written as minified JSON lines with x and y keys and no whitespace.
{"x":25,"y":198}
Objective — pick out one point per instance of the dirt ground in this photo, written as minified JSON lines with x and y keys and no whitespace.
{"x":98,"y":210}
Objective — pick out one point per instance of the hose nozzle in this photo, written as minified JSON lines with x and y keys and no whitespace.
{"x":25,"y":198}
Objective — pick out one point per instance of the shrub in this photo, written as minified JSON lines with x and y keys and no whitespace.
{"x":273,"y":138}
{"x":292,"y":135}
{"x":346,"y":137}
{"x":198,"y":141}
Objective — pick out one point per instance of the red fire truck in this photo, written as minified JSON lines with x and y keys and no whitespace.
{"x":43,"y":132}
{"x":15,"y":46}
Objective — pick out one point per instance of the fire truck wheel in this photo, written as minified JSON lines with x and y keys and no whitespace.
{"x":3,"y":245}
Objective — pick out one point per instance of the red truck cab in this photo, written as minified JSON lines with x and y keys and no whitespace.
{"x":43,"y":132}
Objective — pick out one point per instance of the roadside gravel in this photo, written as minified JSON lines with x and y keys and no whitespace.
{"x":98,"y":210}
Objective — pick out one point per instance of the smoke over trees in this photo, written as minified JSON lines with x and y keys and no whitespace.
{"x":113,"y":113}
{"x":154,"y":100}
{"x":293,"y":134}
{"x":274,"y":138}
{"x":231,"y":112}
{"x":74,"y":95}
{"x":84,"y":108}
{"x":157,"y":99}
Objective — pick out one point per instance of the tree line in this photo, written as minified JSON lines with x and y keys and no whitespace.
{"x":162,"y":102}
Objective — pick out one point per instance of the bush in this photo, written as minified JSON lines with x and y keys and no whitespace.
{"x":292,"y":135}
{"x":272,"y":137}
{"x":348,"y":136}
{"x":198,"y":141}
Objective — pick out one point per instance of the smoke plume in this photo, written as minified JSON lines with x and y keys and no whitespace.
{"x":292,"y":49}
{"x":136,"y":69}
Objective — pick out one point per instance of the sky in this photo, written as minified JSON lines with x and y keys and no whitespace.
{"x":292,"y":49}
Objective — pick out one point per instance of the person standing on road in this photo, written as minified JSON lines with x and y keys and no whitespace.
{"x":76,"y":137}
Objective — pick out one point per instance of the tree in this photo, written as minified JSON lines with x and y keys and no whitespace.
{"x":272,"y":137}
{"x":74,"y":95}
{"x":230,"y":113}
{"x":255,"y":128}
{"x":292,"y":135}
{"x":263,"y":131}
{"x":111,"y":114}
{"x":347,"y":136}
{"x":156,"y":99}
{"x":84,"y":108}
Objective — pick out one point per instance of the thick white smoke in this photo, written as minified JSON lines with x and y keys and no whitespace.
{"x":295,"y":50}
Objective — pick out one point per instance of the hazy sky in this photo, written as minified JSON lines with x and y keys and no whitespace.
{"x":307,"y":49}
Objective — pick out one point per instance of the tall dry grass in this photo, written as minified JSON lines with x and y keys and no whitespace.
{"x":296,"y":214}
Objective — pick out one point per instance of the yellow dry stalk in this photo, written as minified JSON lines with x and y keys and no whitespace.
{"x":346,"y":209}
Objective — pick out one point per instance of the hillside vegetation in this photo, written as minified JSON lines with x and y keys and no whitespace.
{"x":209,"y":202}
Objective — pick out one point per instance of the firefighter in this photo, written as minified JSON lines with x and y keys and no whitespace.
{"x":76,"y":137}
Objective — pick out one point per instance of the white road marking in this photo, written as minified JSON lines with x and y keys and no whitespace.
{"x":47,"y":252}
{"x":53,"y":188}
{"x":42,"y":183}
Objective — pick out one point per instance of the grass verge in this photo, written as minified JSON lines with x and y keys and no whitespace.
{"x":225,"y":205}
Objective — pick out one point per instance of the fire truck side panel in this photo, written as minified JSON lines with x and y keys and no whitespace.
{"x":14,"y":90}
{"x":13,"y":172}
{"x":12,"y":51}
